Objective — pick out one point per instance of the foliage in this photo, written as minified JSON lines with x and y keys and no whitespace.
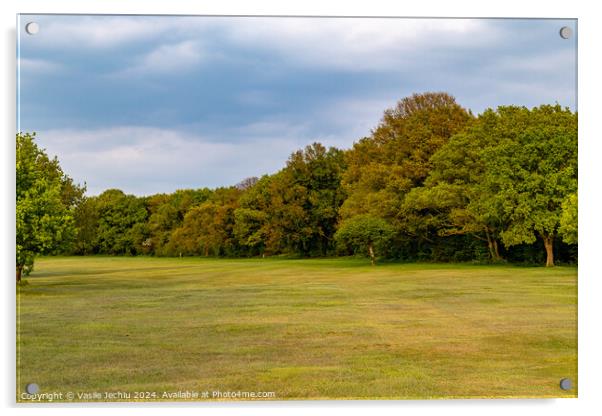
{"x":531,"y":169}
{"x":568,"y":219}
{"x":207,"y":229}
{"x":45,"y":197}
{"x":118,"y":214}
{"x":166,"y":213}
{"x":297,"y":209}
{"x":365,"y":234}
{"x":452,"y":200}
{"x":396,"y":157}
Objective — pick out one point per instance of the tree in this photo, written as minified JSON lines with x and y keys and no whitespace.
{"x":365,"y":234}
{"x":295,"y":210}
{"x":453,"y":200}
{"x":383,"y":168}
{"x":531,"y":170}
{"x":207,"y":229}
{"x":166,"y":214}
{"x":317,"y":172}
{"x":247,"y":183}
{"x":86,"y":222}
{"x":44,"y":207}
{"x":257,"y":227}
{"x":119,"y":216}
{"x":568,"y":220}
{"x":249,"y":230}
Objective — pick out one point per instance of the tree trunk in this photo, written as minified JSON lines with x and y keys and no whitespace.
{"x":496,"y":250}
{"x":548,"y":242}
{"x":19,"y":271}
{"x":492,"y":245}
{"x":371,"y":252}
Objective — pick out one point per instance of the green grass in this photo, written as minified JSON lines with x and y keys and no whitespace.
{"x":316,"y":329}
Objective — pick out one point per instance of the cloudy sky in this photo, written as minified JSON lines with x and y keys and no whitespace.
{"x":155,"y":104}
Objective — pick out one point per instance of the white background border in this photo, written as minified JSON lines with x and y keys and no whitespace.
{"x":590,"y":189}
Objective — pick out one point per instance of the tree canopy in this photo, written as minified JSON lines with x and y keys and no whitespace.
{"x":531,"y":169}
{"x":46,"y":197}
{"x":365,"y":234}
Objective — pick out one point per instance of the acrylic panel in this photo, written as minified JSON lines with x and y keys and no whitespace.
{"x":214,"y":208}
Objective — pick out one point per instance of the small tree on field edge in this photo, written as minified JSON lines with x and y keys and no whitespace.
{"x":364,"y":234}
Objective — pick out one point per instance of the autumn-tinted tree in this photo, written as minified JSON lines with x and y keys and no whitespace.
{"x":166,"y":213}
{"x":272,"y":217}
{"x":384,"y":167}
{"x":208,"y":228}
{"x":296,"y":209}
{"x":45,"y":198}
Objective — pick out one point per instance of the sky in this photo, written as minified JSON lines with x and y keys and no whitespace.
{"x":151,"y":104}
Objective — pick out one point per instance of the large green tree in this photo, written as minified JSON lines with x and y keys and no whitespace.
{"x":46,"y":197}
{"x":119,"y":219}
{"x":257,"y":226}
{"x":531,"y":169}
{"x":317,"y":171}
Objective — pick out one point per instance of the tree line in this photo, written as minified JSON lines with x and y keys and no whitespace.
{"x":432,"y":182}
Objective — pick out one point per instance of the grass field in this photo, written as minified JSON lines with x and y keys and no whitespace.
{"x":317,"y":329}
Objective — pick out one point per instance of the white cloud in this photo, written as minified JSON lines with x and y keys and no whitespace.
{"x":340,"y":43}
{"x":170,"y":58}
{"x":553,"y":61}
{"x":357,"y":43}
{"x":95,"y":31}
{"x":38,"y":65}
{"x":167,"y":57}
{"x":146,"y":160}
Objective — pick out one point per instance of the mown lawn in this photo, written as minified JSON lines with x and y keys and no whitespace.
{"x":316,"y":329}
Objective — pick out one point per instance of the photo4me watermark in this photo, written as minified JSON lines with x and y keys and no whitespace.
{"x":146,"y":395}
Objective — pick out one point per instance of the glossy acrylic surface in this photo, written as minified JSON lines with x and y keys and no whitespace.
{"x":267,"y":208}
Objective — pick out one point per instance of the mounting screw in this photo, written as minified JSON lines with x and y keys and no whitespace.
{"x":32,"y":388}
{"x":32,"y":28}
{"x":566,"y":384}
{"x":566,"y":32}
